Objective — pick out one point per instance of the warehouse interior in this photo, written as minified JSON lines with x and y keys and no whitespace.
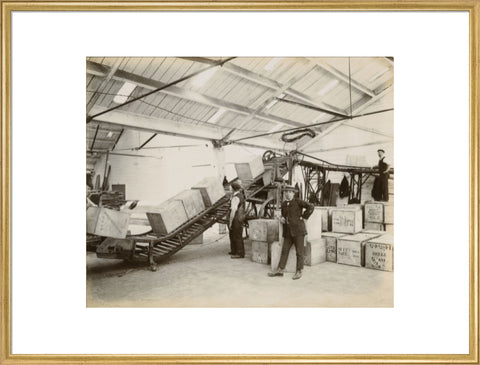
{"x":166,"y":137}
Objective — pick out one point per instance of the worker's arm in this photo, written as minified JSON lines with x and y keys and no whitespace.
{"x":308,"y":209}
{"x":387,"y":169}
{"x":233,"y":209}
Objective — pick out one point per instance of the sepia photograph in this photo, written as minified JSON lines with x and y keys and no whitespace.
{"x":240,"y":182}
{"x":240,"y":163}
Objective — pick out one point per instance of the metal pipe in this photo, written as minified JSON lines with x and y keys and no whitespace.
{"x":316,"y":108}
{"x":94,"y":138}
{"x":118,"y":139}
{"x":148,"y":140}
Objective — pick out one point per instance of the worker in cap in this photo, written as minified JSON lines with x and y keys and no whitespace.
{"x":380,"y":185}
{"x":294,"y":213}
{"x":236,"y":217}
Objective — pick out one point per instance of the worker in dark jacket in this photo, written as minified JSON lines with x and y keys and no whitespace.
{"x":381,"y":184}
{"x":235,"y":221}
{"x":294,"y":213}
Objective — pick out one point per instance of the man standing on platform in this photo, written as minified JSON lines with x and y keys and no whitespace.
{"x":294,"y":212}
{"x":380,"y":185}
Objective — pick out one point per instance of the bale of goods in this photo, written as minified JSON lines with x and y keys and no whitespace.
{"x":315,"y":252}
{"x":167,"y":216}
{"x":379,"y":253}
{"x":351,"y":248}
{"x":314,"y":224}
{"x":331,"y":244}
{"x":250,"y":170}
{"x":107,"y":222}
{"x":374,"y":226}
{"x":261,"y":252}
{"x":374,"y":212}
{"x":346,"y":220}
{"x":265,"y":230}
{"x":211,"y":189}
{"x":276,"y":251}
{"x":192,"y":202}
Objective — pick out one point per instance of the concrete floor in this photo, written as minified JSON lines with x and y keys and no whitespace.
{"x":204,"y":275}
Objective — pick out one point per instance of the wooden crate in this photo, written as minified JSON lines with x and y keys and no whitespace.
{"x":374,"y":212}
{"x":326,"y":218}
{"x":211,"y":189}
{"x":261,"y":252}
{"x":351,"y":249}
{"x":263,"y":230}
{"x":192,"y":202}
{"x":168,"y":216}
{"x":346,"y":220}
{"x":374,"y":226}
{"x":331,"y":245}
{"x":315,"y":252}
{"x":388,"y":213}
{"x":230,"y":172}
{"x":314,"y":224}
{"x":107,"y":222}
{"x":374,"y":231}
{"x":379,"y":253}
{"x":276,"y":251}
{"x":389,"y":228}
{"x":250,"y":170}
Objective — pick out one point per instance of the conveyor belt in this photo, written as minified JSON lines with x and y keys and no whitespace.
{"x":155,"y":248}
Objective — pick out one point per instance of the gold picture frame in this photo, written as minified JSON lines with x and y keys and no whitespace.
{"x":470,"y":6}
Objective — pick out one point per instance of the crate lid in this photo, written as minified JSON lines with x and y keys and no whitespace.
{"x":386,"y":238}
{"x":374,"y":231}
{"x":334,"y":234}
{"x":360,"y":237}
{"x":347,"y":209}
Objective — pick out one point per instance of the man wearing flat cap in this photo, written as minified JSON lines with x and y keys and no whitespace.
{"x":294,"y":212}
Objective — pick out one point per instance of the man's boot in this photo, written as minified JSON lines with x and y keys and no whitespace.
{"x":297,"y":275}
{"x":278,"y":272}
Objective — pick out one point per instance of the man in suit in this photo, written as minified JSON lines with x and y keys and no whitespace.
{"x":294,"y":212}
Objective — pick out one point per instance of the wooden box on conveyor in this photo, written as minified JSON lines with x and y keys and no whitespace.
{"x":211,"y":189}
{"x":192,"y":202}
{"x":247,"y":171}
{"x":107,"y":222}
{"x":166,"y":217}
